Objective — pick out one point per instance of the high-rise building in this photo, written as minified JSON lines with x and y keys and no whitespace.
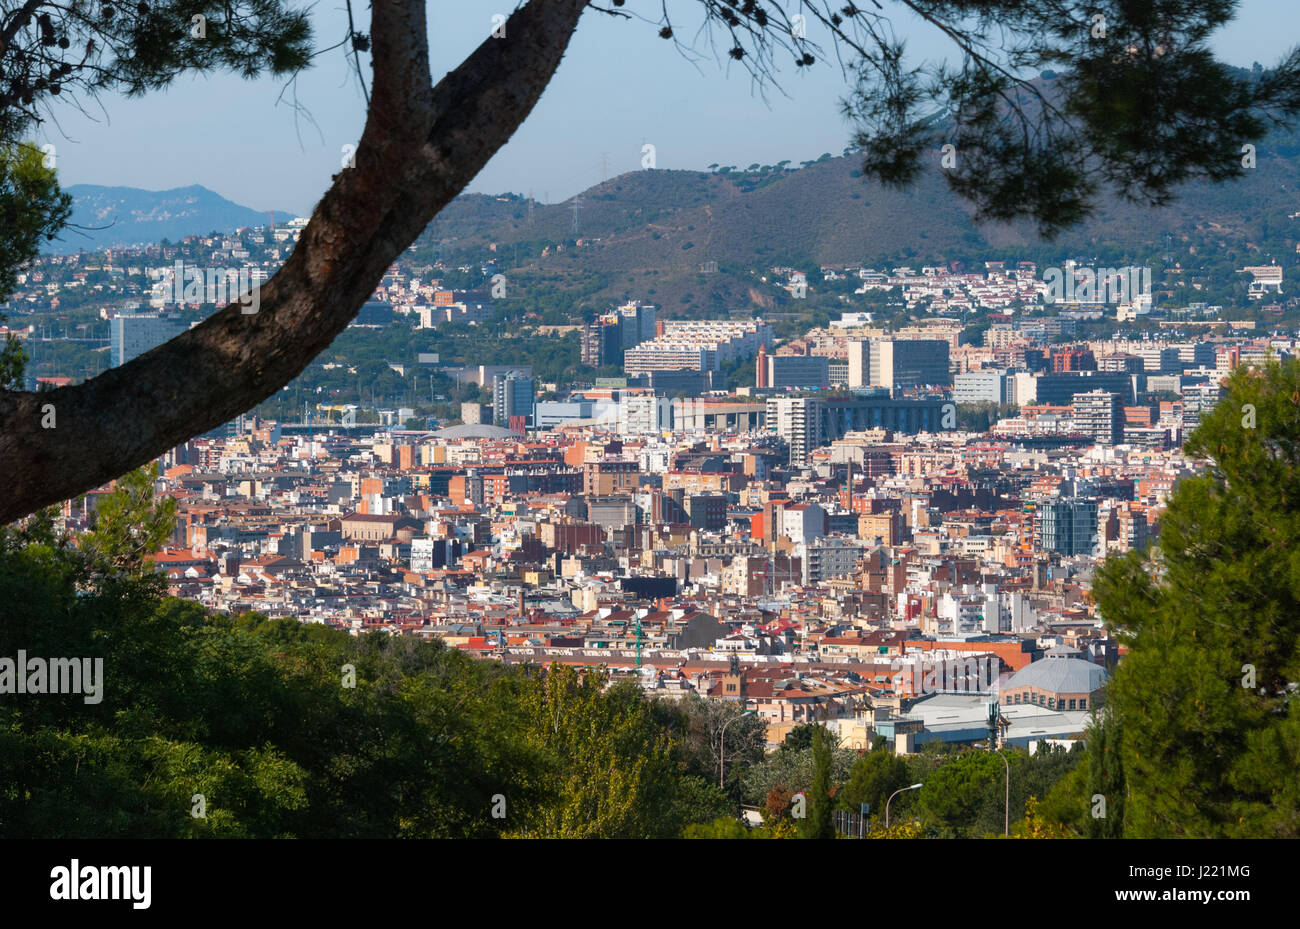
{"x":1073,"y":359}
{"x":1067,"y":527}
{"x":829,"y":556}
{"x":602,"y":340}
{"x":987,"y":386}
{"x":1122,"y":526}
{"x":605,"y":337}
{"x":513,"y":396}
{"x":860,"y":363}
{"x":1062,"y":388}
{"x":660,"y":355}
{"x":131,"y":335}
{"x":707,"y":511}
{"x":1099,"y":414}
{"x":1196,"y":354}
{"x":798,"y":421}
{"x":808,"y":423}
{"x":902,"y":364}
{"x":637,"y":323}
{"x":1122,"y":363}
{"x":697,"y":345}
{"x":645,"y":414}
{"x":1198,"y":399}
{"x":796,"y":370}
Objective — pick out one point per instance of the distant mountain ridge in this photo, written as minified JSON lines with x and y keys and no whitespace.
{"x":106,"y":216}
{"x":653,"y":227}
{"x":653,"y":234}
{"x":827,"y":214}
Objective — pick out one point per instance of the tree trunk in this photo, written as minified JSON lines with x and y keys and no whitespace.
{"x":421,"y":146}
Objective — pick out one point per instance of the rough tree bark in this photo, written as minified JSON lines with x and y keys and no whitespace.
{"x":421,"y":145}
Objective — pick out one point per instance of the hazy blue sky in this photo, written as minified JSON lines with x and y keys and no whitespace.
{"x":619,"y":86}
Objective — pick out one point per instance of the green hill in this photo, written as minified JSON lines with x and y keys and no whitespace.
{"x":655,"y":229}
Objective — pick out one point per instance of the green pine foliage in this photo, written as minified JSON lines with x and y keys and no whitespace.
{"x":818,"y":823}
{"x":32,"y":210}
{"x":952,"y":795}
{"x":1205,"y":699}
{"x":874,"y":777}
{"x":1104,"y":770}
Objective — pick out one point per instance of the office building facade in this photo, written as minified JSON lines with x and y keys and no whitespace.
{"x":131,"y":335}
{"x":797,"y":371}
{"x":905,"y":364}
{"x":1067,"y":527}
{"x":513,"y":397}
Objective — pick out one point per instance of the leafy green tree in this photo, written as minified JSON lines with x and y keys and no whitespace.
{"x":952,"y":795}
{"x":724,"y":827}
{"x":32,"y":210}
{"x":694,"y":800}
{"x":980,"y":417}
{"x":1036,"y":826}
{"x":255,"y":718}
{"x":1068,"y":804}
{"x":818,"y":824}
{"x":1032,"y":776}
{"x":793,"y":771}
{"x":609,"y":764}
{"x":129,"y":524}
{"x":87,"y":47}
{"x":1205,"y":699}
{"x":697,"y":725}
{"x":875,"y":776}
{"x":899,"y":829}
{"x":798,"y":739}
{"x":1104,"y":766}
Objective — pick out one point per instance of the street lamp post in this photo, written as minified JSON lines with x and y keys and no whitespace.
{"x":1006,"y":807}
{"x":891,"y":799}
{"x":995,"y":717}
{"x":722,"y":745}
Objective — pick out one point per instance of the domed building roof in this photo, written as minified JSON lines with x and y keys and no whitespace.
{"x":1059,"y":675}
{"x":477,"y":431}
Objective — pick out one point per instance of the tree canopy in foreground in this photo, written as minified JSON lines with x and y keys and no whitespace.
{"x":1205,"y":702}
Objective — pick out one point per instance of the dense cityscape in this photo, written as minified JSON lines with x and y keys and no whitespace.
{"x":833,"y":542}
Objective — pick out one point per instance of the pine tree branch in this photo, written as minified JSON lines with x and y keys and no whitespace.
{"x":421,"y":146}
